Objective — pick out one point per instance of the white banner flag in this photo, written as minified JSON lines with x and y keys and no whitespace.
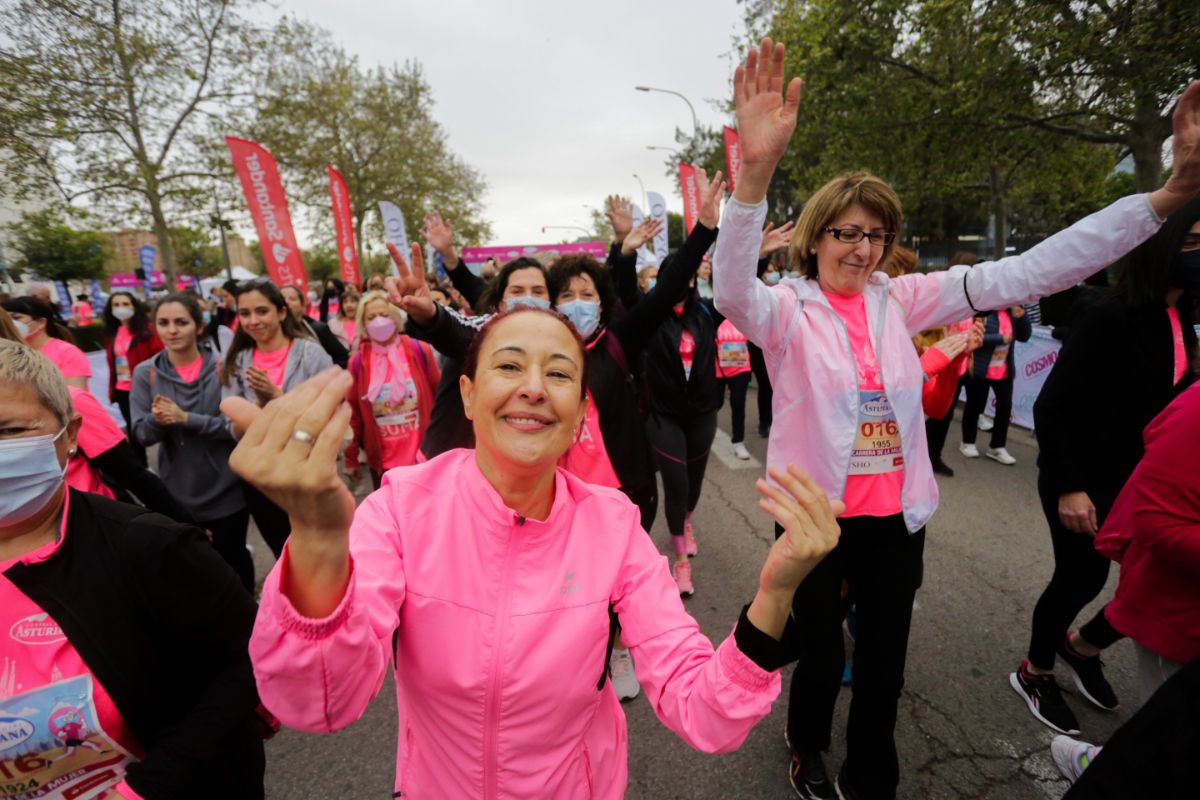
{"x":393,"y":226}
{"x":658,"y":211}
{"x":643,"y":252}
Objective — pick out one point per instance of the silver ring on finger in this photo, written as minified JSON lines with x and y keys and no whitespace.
{"x":303,"y":436}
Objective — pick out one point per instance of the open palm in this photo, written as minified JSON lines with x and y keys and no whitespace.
{"x":766,"y":116}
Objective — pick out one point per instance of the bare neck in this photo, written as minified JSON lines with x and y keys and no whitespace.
{"x":529,"y":493}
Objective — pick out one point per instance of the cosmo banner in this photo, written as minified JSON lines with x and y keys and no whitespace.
{"x":343,"y":225}
{"x":658,"y":211}
{"x":259,"y":175}
{"x":691,"y":196}
{"x":733,"y":157}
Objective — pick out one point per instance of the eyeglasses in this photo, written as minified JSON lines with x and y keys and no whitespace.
{"x":854,"y":236}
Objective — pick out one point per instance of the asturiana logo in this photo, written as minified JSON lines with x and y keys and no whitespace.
{"x":878,"y":407}
{"x":36,"y":629}
{"x":14,"y":731}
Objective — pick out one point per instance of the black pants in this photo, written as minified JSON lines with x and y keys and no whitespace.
{"x":121,"y":398}
{"x":936,"y":429}
{"x":884,"y":565}
{"x":681,"y":448}
{"x":758,"y":365}
{"x":977,"y":392}
{"x":272,"y":521}
{"x":1079,"y":575}
{"x":229,"y":540}
{"x":1151,"y":754}
{"x":738,"y":385}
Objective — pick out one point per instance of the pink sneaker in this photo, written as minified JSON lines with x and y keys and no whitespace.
{"x":683,"y":578}
{"x":690,"y":548}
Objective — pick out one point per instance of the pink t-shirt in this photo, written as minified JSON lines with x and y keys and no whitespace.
{"x":876,"y":464}
{"x":1181,"y":363}
{"x":350,"y":327}
{"x":83,"y":311}
{"x":121,"y":359}
{"x":60,"y":725}
{"x":189,"y":372}
{"x":397,"y":419}
{"x":274,"y":364}
{"x":98,"y":434}
{"x":687,"y":352}
{"x":69,"y":359}
{"x":733,"y":353}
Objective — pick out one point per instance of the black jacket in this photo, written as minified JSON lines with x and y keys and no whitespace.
{"x":1113,"y":376}
{"x":329,"y":342}
{"x":164,"y":625}
{"x":671,"y":394}
{"x":992,"y":338}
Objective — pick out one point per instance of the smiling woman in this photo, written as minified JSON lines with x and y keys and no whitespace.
{"x":527,"y":567}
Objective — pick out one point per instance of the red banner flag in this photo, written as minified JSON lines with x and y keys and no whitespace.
{"x":264,"y":194}
{"x":343,"y":224}
{"x":733,"y":156}
{"x":691,"y":197}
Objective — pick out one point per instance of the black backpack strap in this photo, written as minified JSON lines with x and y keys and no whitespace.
{"x":613,"y":627}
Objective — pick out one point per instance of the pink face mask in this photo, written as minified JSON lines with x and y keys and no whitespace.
{"x":380,"y":329}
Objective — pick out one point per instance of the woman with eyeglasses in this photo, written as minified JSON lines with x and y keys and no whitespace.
{"x":848,"y":395}
{"x":270,"y":354}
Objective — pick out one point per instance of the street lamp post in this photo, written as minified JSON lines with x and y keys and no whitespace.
{"x":586,"y":232}
{"x":695,"y":122}
{"x":645,"y":202}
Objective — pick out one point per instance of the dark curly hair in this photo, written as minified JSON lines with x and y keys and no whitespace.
{"x":563,"y":269}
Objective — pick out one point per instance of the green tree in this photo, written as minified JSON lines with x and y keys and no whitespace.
{"x":318,"y":106}
{"x":49,"y":248}
{"x":117,"y":103}
{"x":195,"y":253}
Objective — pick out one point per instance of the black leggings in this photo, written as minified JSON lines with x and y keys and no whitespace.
{"x":883,"y":564}
{"x":121,"y":398}
{"x":1079,"y":575}
{"x":977,"y":392}
{"x":936,"y":429}
{"x":272,"y":521}
{"x":229,"y":540}
{"x":738,"y":384}
{"x":681,"y":448}
{"x":758,"y":365}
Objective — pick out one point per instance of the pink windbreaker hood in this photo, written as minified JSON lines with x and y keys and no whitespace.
{"x":500,"y":629}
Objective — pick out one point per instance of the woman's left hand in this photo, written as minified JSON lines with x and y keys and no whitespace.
{"x":809,"y":520}
{"x":1184,"y":183}
{"x":263,"y":389}
{"x":709,"y":196}
{"x":167,"y":412}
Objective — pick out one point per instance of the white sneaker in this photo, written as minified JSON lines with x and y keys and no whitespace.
{"x":624,"y":680}
{"x":1000,"y":454}
{"x":986,"y":423}
{"x":969,"y":450}
{"x":741,"y":452}
{"x":1072,"y":756}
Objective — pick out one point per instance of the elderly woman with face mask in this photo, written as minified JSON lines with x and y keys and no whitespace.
{"x":125,"y":660}
{"x":497,"y":608}
{"x":848,"y":394}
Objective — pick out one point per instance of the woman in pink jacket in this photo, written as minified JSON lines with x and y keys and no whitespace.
{"x":848,"y":383}
{"x":496,"y":609}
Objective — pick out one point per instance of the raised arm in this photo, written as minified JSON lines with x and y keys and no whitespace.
{"x":622,"y":255}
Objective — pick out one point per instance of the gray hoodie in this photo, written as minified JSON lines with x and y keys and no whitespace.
{"x":305,"y":359}
{"x":193,"y":458}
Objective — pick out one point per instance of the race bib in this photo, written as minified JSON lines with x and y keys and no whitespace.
{"x":733,"y":355}
{"x":999,"y":355}
{"x":122,"y":365}
{"x":52,"y":746}
{"x":877,"y":440}
{"x":403,"y":413}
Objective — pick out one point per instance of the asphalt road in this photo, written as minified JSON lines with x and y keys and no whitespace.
{"x":962,"y":732}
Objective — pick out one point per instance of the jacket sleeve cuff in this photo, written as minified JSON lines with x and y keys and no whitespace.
{"x":291,"y":620}
{"x":766,"y":653}
{"x":126,"y":791}
{"x":933,"y":361}
{"x":1150,"y":207}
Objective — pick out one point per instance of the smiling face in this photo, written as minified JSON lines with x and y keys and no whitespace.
{"x":175,"y":327}
{"x":844,"y":268}
{"x":258,"y":316}
{"x":525,"y":399}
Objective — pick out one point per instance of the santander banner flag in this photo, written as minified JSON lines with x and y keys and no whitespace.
{"x":343,"y":225}
{"x":658,"y":211}
{"x":733,"y":157}
{"x":264,"y":194}
{"x":691,"y":197}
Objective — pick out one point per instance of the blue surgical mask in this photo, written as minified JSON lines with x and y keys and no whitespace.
{"x":29,"y":476}
{"x":525,"y":301}
{"x":650,"y":283}
{"x":206,"y":316}
{"x":584,"y":315}
{"x":772,"y":278}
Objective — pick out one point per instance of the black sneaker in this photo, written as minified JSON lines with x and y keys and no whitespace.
{"x":1088,"y":676}
{"x":1045,"y":701}
{"x":940,"y":468}
{"x":808,"y":776}
{"x":842,"y":786}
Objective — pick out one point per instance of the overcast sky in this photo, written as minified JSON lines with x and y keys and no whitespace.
{"x":538,"y":95}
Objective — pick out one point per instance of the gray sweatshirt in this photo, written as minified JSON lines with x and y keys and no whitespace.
{"x":193,"y":458}
{"x":305,"y":359}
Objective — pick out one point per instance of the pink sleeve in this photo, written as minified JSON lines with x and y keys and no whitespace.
{"x":318,"y":675}
{"x":710,"y":699}
{"x":126,"y":791}
{"x":70,"y":360}
{"x":98,"y":433}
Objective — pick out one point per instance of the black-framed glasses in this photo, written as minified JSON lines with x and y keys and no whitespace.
{"x":854,"y":236}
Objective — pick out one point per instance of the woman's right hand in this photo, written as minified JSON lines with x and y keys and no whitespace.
{"x":408,"y":291}
{"x":1078,"y":513}
{"x":766,"y":118}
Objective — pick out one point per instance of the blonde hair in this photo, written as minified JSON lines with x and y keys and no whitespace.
{"x":8,"y":330}
{"x":901,"y":261}
{"x":858,"y":188}
{"x":371,"y":297}
{"x":20,"y":363}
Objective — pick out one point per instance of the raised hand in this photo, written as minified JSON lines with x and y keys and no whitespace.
{"x":766,"y":117}
{"x":1184,"y":183}
{"x":809,"y":519}
{"x":641,"y":234}
{"x":775,"y":238}
{"x":438,"y":232}
{"x":620,"y":215}
{"x":409,"y":291}
{"x":709,"y":196}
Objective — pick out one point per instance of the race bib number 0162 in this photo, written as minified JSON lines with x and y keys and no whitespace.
{"x":877,"y":439}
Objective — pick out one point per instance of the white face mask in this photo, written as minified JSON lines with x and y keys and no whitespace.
{"x":21,"y":327}
{"x":123,"y":313}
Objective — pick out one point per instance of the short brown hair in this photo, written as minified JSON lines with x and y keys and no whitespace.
{"x":861,"y":188}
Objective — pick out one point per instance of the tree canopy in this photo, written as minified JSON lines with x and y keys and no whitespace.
{"x":49,"y":248}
